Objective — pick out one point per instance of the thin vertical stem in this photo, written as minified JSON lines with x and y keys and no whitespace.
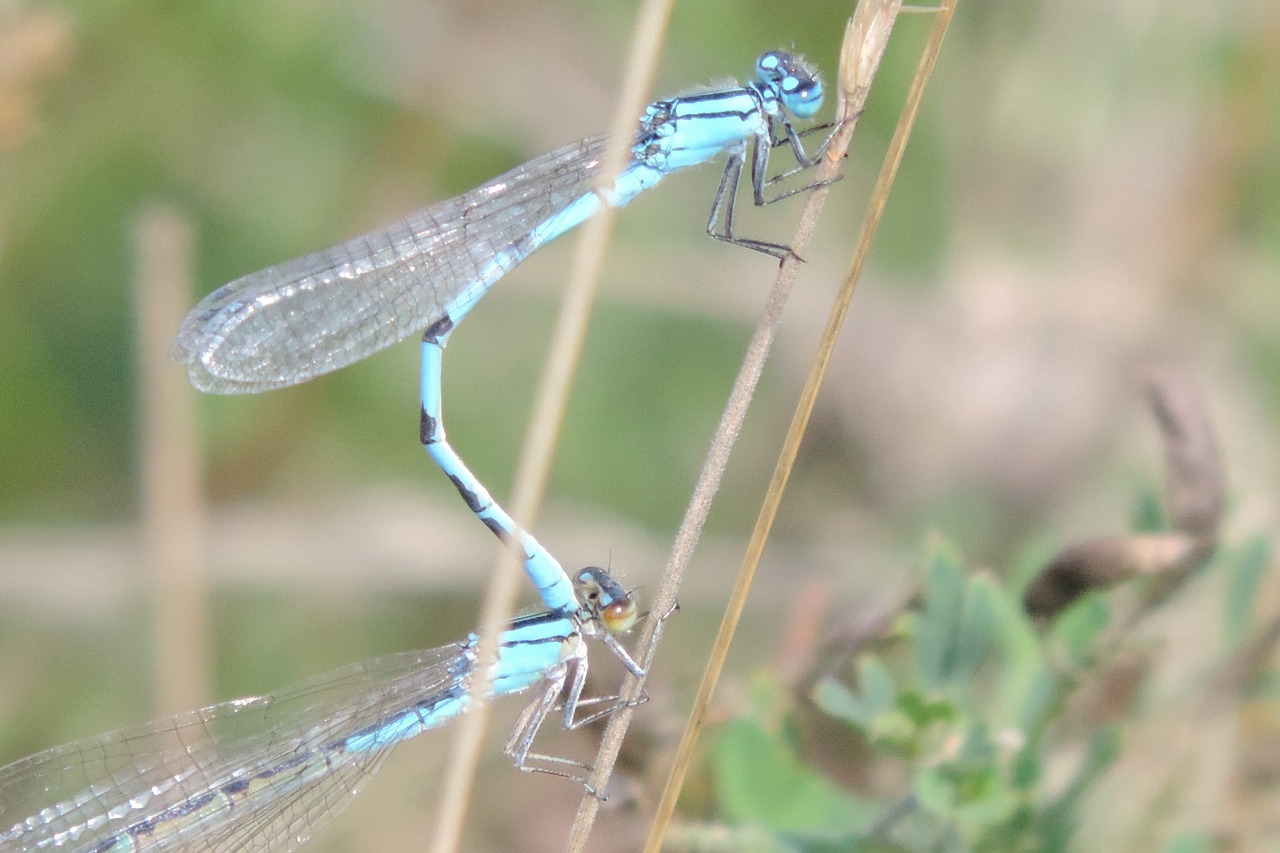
{"x":880,"y":16}
{"x":864,"y":45}
{"x":172,"y":519}
{"x":538,"y":448}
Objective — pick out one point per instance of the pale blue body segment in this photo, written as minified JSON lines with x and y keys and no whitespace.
{"x":261,"y":774}
{"x":292,"y":322}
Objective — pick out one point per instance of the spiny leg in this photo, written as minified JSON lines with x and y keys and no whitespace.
{"x":572,"y":671}
{"x":546,"y":573}
{"x":722,"y":213}
{"x":804,"y":161}
{"x":722,"y":206}
{"x":567,"y":679}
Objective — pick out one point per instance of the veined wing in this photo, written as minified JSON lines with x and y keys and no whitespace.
{"x":315,"y":314}
{"x":257,"y":774}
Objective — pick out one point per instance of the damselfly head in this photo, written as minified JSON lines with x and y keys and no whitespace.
{"x":605,"y":599}
{"x":793,"y":81}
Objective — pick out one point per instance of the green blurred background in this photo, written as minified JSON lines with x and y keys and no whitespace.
{"x":1091,"y":187}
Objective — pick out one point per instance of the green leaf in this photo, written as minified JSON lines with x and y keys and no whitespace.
{"x":971,"y":790}
{"x":1014,"y":642}
{"x":934,"y":791}
{"x":1078,"y":627}
{"x":877,"y":683}
{"x":974,"y":638}
{"x":924,"y":711}
{"x":1040,"y":700}
{"x":940,"y":618}
{"x":1246,"y":567}
{"x":976,"y":800}
{"x":836,"y":700}
{"x":896,"y":733}
{"x":876,"y":694}
{"x":760,"y":780}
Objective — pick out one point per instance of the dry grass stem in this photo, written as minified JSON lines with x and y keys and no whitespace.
{"x":544,"y":427}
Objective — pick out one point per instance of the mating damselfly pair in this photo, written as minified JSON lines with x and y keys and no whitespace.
{"x":262,"y":773}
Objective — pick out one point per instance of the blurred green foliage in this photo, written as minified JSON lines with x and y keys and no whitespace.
{"x":280,"y":126}
{"x":963,"y":726}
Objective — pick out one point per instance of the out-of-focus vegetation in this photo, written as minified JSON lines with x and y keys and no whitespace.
{"x":1091,"y":186}
{"x":970,"y":717}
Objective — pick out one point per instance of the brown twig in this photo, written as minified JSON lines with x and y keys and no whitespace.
{"x":865,"y":42}
{"x":1194,"y":498}
{"x":549,"y":406}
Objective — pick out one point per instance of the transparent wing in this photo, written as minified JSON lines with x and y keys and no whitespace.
{"x":312,"y":315}
{"x":254,"y":774}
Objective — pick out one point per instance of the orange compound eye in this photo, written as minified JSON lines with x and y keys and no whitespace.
{"x":620,"y":616}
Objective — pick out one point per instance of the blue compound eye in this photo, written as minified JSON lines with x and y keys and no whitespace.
{"x":767,"y":66}
{"x":793,"y":83}
{"x":803,"y":99}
